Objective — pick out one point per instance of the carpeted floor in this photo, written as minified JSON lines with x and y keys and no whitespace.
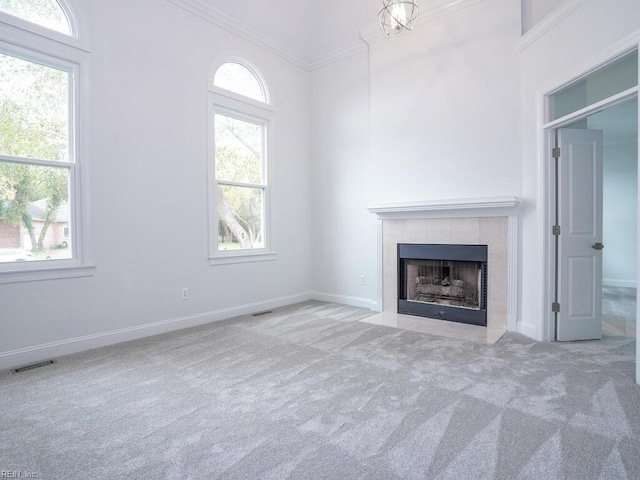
{"x":308,"y":392}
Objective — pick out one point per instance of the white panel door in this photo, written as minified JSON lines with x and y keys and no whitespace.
{"x":580,"y":241}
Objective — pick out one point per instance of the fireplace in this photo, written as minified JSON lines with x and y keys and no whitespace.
{"x":447,"y":282}
{"x":474,"y":221}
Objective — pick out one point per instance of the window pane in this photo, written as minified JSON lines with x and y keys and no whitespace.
{"x":34,"y":213}
{"x":239,"y":150}
{"x":34,"y":110}
{"x":616,"y":77}
{"x":239,"y":79}
{"x":46,"y":13}
{"x":240,"y":217}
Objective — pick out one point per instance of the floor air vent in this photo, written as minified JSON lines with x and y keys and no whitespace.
{"x":266,"y":312}
{"x":32,"y":366}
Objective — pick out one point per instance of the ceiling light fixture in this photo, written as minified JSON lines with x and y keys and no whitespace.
{"x":397,"y":16}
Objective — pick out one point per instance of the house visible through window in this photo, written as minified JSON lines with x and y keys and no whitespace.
{"x":39,"y":158}
{"x":240,"y":131}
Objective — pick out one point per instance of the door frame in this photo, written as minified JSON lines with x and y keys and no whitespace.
{"x":546,"y":173}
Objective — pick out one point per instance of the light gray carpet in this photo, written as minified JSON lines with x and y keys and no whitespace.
{"x":308,"y":392}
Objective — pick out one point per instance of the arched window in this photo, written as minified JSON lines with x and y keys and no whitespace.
{"x":240,"y":129}
{"x":46,"y":13}
{"x":42,"y":228}
{"x":237,"y":78}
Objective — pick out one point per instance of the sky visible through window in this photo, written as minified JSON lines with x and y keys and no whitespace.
{"x":47,"y":13}
{"x":34,"y":104}
{"x":239,"y":79}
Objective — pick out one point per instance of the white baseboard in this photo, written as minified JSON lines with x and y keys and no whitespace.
{"x":528,"y":330}
{"x":345,"y":300}
{"x":614,"y":282}
{"x":27,"y":355}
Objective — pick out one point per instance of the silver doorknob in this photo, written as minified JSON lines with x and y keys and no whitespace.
{"x":597,"y":246}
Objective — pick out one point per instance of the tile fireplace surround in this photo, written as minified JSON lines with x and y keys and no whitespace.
{"x":480,"y":221}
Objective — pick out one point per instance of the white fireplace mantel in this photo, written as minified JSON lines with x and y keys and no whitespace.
{"x":463,"y":207}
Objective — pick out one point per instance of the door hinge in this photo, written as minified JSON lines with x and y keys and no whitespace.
{"x":556,"y":230}
{"x":555,"y":152}
{"x":555,"y":307}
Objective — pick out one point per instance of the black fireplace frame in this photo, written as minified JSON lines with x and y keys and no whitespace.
{"x":466,"y":253}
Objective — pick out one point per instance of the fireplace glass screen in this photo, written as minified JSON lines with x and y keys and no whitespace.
{"x":444,"y":282}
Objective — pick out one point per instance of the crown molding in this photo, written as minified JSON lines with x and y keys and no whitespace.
{"x":372,"y":33}
{"x":339,"y":54}
{"x":216,"y":17}
{"x":547,"y":24}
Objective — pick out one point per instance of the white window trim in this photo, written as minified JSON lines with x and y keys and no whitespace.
{"x":235,"y":105}
{"x":236,"y":97}
{"x":36,"y":43}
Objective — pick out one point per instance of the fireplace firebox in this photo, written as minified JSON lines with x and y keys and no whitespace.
{"x":447,"y":282}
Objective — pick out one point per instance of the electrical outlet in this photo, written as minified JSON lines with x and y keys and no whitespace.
{"x":361,"y":279}
{"x":185,"y":294}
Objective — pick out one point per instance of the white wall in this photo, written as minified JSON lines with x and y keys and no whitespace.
{"x":148,"y":192}
{"x":445,"y":105}
{"x":620,"y":214}
{"x":343,"y":232}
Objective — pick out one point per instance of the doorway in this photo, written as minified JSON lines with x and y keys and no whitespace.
{"x":620,"y":217}
{"x":577,"y":116}
{"x":595,"y":207}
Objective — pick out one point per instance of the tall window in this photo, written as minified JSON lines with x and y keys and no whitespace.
{"x":240,"y":127}
{"x":40,"y":178}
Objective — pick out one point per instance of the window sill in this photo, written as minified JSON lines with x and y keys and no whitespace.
{"x":39,"y":274}
{"x":242,"y":258}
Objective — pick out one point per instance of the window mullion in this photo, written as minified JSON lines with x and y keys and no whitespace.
{"x":35,"y":161}
{"x":241,"y":184}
